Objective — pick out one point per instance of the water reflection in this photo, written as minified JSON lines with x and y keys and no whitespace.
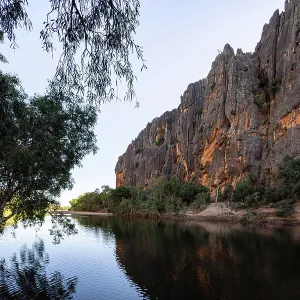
{"x":25,"y":277}
{"x":183,"y":260}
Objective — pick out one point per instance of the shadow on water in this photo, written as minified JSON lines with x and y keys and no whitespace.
{"x":190,"y":260}
{"x":25,"y":277}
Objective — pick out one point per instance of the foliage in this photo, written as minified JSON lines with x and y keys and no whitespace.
{"x":225,"y":195}
{"x":42,"y":139}
{"x":260,"y":101}
{"x":212,"y":86}
{"x":2,"y":57}
{"x":99,"y":33}
{"x":243,"y":189}
{"x":284,"y":208}
{"x":26,"y":277}
{"x":270,"y":195}
{"x":165,"y":195}
{"x":275,"y":86}
{"x":159,"y":140}
{"x":289,"y":175}
{"x":202,"y":199}
{"x":162,"y":196}
{"x":87,"y":201}
{"x":120,"y":193}
{"x":188,"y":192}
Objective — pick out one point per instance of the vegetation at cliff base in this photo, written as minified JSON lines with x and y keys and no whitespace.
{"x":174,"y":196}
{"x":161,"y":196}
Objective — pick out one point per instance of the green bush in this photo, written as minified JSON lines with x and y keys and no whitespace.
{"x":289,"y":178}
{"x":225,"y":195}
{"x":121,"y":192}
{"x":88,"y":202}
{"x":253,"y":199}
{"x":212,"y":86}
{"x":188,"y":192}
{"x":124,"y":206}
{"x":275,"y":86}
{"x":202,"y":199}
{"x":284,"y":208}
{"x":270,"y":195}
{"x":242,"y":190}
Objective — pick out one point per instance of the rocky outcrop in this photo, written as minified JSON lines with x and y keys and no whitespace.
{"x":244,"y":117}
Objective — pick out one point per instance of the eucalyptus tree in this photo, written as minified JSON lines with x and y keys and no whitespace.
{"x":42,"y":139}
{"x":98,"y":32}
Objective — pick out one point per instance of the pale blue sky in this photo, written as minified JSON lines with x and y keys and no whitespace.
{"x":180,"y":41}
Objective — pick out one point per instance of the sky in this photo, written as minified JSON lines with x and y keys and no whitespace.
{"x":180,"y":40}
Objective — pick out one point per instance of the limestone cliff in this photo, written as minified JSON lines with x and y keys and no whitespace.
{"x":244,"y":117}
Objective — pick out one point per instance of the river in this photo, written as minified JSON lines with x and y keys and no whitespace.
{"x":120,"y":258}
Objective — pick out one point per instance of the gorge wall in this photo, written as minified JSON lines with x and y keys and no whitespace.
{"x":244,"y":117}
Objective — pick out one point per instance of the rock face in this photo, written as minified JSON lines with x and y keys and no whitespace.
{"x":244,"y":117}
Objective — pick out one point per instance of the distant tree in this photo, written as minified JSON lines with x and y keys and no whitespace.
{"x":106,"y":189}
{"x":100,"y":33}
{"x":188,"y":192}
{"x":121,"y":192}
{"x":42,"y":139}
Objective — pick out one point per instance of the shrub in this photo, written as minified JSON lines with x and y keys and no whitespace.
{"x":253,"y":199}
{"x":275,"y":86}
{"x":242,"y":190}
{"x":225,"y":195}
{"x":188,"y":192}
{"x":121,"y":192}
{"x":173,"y":187}
{"x":260,"y":101}
{"x":289,"y":174}
{"x":270,"y":195}
{"x":124,"y":206}
{"x":212,"y":86}
{"x":284,"y":208}
{"x":159,"y":140}
{"x":202,"y":199}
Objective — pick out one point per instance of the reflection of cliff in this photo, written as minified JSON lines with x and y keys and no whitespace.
{"x":190,"y":260}
{"x":173,"y":261}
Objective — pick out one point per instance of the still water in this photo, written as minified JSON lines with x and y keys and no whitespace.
{"x":118,"y":258}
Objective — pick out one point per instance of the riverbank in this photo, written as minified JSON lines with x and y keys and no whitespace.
{"x":261,"y":215}
{"x":84,"y":213}
{"x":222,"y":212}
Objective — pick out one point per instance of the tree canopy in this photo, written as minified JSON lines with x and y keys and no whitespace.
{"x":99,"y":33}
{"x":42,"y":139}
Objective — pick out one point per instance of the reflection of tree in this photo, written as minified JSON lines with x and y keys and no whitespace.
{"x":26,"y":277}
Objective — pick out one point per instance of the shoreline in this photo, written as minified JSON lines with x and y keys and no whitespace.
{"x":215,"y":212}
{"x":84,"y":213}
